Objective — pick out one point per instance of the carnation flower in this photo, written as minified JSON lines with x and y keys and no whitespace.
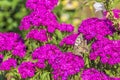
{"x":94,"y":74}
{"x":48,"y":4}
{"x":12,"y":41}
{"x":69,"y":40}
{"x":66,"y":65}
{"x":45,"y":51}
{"x":25,"y":23}
{"x":7,"y":41}
{"x":19,"y":49}
{"x":40,"y":64}
{"x":107,"y":50}
{"x":41,"y":15}
{"x":66,"y":27}
{"x":8,"y":64}
{"x":50,"y":21}
{"x":94,"y":27}
{"x":26,"y":69}
{"x":63,"y":64}
{"x":38,"y":18}
{"x":40,"y":35}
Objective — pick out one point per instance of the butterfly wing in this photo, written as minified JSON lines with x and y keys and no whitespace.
{"x":80,"y":46}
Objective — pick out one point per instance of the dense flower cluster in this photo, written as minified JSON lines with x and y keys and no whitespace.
{"x":63,"y":64}
{"x":94,"y":74}
{"x":66,"y":65}
{"x":12,"y":41}
{"x":7,"y":40}
{"x":47,"y":4}
{"x":8,"y":64}
{"x":94,"y":27}
{"x":38,"y":35}
{"x":40,"y":16}
{"x":40,"y":64}
{"x":65,"y":27}
{"x":26,"y":69}
{"x":45,"y":51}
{"x":25,"y":23}
{"x":107,"y":50}
{"x":69,"y":40}
{"x":42,"y":22}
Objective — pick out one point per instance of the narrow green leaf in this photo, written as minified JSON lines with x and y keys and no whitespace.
{"x":44,"y":76}
{"x":59,"y":34}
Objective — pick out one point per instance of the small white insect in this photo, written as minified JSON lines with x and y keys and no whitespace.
{"x":80,"y":46}
{"x":99,"y":9}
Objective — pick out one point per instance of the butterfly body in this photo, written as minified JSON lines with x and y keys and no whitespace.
{"x":81,"y":46}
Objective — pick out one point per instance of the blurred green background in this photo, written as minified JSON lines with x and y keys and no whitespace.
{"x":11,"y":13}
{"x":69,"y":11}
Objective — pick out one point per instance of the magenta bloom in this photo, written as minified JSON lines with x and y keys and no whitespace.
{"x":19,"y":49}
{"x":47,"y":4}
{"x":63,"y":64}
{"x":7,"y":40}
{"x":66,"y":27}
{"x":40,"y":64}
{"x":8,"y":64}
{"x":94,"y":74}
{"x":26,"y":69}
{"x":12,"y":41}
{"x":94,"y":27}
{"x":25,"y":23}
{"x":41,"y":15}
{"x":40,"y":35}
{"x":45,"y":51}
{"x":69,"y":40}
{"x":50,"y":21}
{"x":107,"y":50}
{"x":38,"y":19}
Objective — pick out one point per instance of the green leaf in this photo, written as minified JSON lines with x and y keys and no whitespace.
{"x":54,"y":41}
{"x":59,"y":34}
{"x":108,"y":72}
{"x":45,"y":76}
{"x":87,"y":61}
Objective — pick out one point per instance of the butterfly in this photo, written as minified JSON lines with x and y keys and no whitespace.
{"x":80,"y":46}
